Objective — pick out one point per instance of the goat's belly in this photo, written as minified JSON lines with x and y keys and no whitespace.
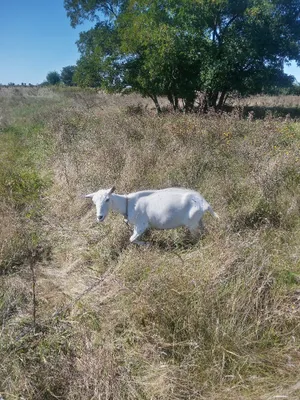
{"x":164,"y":222}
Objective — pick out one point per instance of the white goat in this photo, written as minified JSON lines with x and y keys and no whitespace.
{"x":159,"y":209}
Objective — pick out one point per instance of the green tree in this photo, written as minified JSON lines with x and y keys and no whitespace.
{"x":67,"y":74}
{"x":53,"y":78}
{"x":178,"y":48}
{"x":100,"y":63}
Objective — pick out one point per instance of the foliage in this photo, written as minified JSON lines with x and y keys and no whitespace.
{"x":67,"y":74}
{"x":98,"y":67}
{"x":179,"y":48}
{"x":292,"y":90}
{"x":53,"y":78}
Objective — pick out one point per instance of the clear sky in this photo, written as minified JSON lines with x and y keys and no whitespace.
{"x":36,"y":37}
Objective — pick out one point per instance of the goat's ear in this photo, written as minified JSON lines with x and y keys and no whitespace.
{"x":112,"y":190}
{"x":89,"y":196}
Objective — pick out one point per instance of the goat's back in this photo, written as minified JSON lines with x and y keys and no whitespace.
{"x":170,"y":208}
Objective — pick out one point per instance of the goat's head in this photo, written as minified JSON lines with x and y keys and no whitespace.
{"x":101,"y":199}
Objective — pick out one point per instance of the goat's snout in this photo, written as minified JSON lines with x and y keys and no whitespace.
{"x":100,"y":218}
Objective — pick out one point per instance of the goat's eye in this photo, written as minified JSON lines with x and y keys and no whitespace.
{"x":107,"y":200}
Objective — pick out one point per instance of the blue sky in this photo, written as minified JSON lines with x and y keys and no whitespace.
{"x":293,"y":70}
{"x":36,"y":37}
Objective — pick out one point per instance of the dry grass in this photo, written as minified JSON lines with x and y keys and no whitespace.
{"x":213,"y":319}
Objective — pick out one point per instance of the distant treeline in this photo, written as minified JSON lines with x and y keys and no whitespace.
{"x":10,"y":84}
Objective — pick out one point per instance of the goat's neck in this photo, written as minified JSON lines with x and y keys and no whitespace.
{"x":119,"y":203}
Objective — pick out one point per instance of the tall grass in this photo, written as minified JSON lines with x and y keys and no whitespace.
{"x":216,"y":318}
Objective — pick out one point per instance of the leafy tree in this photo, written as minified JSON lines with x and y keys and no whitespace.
{"x":178,"y":48}
{"x":80,"y":10}
{"x":53,"y":78}
{"x":87,"y":73}
{"x":67,"y":74}
{"x":100,"y":64}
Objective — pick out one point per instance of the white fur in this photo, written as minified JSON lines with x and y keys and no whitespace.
{"x":159,"y":209}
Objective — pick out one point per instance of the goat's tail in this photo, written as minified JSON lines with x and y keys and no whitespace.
{"x":214,"y":214}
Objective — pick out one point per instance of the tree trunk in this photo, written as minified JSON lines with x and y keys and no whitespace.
{"x":189,"y":103}
{"x":155,"y":100}
{"x":222,"y":99}
{"x":212,"y":100}
{"x":173,"y":100}
{"x":205,"y":104}
{"x":175,"y":103}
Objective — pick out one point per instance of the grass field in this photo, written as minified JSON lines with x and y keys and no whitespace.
{"x":86,"y":315}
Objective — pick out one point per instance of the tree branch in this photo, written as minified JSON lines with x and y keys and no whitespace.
{"x":230,"y":22}
{"x":110,"y":9}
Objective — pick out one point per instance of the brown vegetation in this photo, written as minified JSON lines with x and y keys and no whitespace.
{"x":86,"y":315}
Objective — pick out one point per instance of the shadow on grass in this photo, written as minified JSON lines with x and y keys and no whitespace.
{"x":166,"y":242}
{"x":261,"y":112}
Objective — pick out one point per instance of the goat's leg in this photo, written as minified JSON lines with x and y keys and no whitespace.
{"x":193,"y":229}
{"x":196,"y":228}
{"x":194,"y":233}
{"x":137,"y":232}
{"x":201,"y":227}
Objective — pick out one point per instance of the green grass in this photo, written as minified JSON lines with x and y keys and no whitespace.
{"x":216,"y":318}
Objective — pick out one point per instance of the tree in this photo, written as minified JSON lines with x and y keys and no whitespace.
{"x":53,"y":78}
{"x":99,"y":65}
{"x":67,"y":74}
{"x":178,"y":48}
